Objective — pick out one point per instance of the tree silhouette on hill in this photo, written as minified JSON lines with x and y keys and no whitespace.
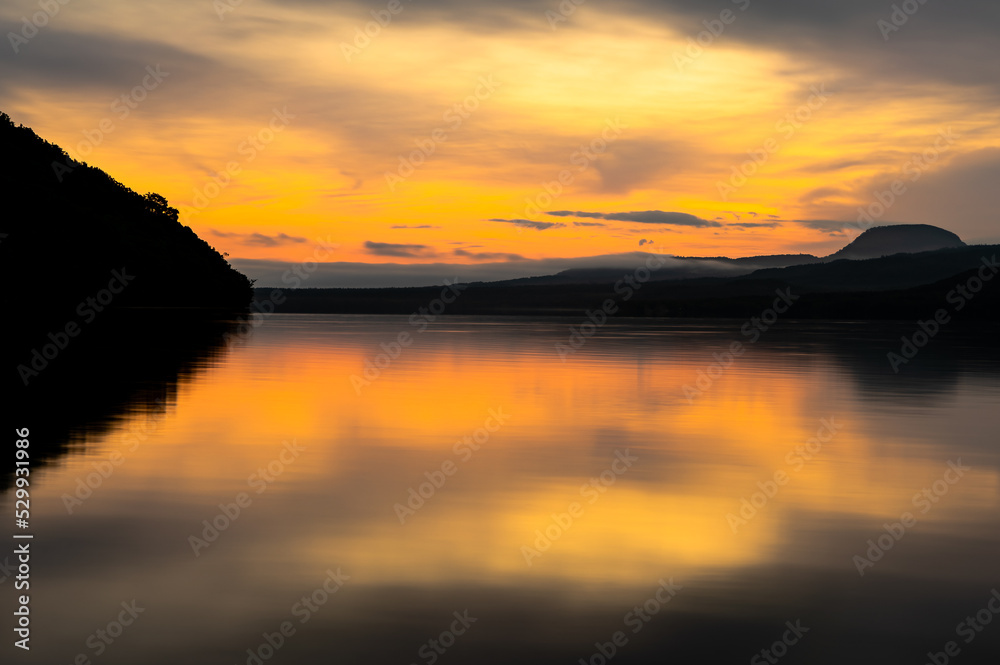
{"x":68,"y":225}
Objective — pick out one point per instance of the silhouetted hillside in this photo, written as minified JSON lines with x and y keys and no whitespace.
{"x":895,"y":287}
{"x":675,"y":267}
{"x":903,"y":238}
{"x":897,"y":271}
{"x":69,"y":226}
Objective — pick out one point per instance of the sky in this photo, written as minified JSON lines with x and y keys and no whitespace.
{"x":515,"y":135}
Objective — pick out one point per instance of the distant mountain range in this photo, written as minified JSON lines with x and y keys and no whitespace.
{"x":79,"y":234}
{"x":873,"y":243}
{"x":880,"y":283}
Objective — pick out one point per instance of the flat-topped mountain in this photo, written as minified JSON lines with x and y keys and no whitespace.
{"x":900,"y":239}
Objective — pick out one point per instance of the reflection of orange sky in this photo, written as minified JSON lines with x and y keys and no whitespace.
{"x":665,"y":515}
{"x":324,"y":176}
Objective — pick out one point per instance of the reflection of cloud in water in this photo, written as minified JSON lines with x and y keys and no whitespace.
{"x":665,"y":517}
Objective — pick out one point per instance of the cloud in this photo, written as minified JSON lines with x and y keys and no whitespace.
{"x":588,"y":224}
{"x":259,"y":239}
{"x":954,"y":42}
{"x":960,"y":196}
{"x":639,"y":164}
{"x":643,"y":241}
{"x":488,"y":256}
{"x":755,"y":225}
{"x":92,"y":61}
{"x":828,"y":225}
{"x":528,"y":224}
{"x":643,"y":217}
{"x":369,"y":275}
{"x":407,"y":226}
{"x":400,"y":251}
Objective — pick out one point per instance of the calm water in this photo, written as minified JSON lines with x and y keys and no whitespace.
{"x":563,"y":501}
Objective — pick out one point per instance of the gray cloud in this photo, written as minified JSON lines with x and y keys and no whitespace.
{"x":77,"y":60}
{"x":755,"y":225}
{"x":419,"y":226}
{"x":961,"y":196}
{"x":488,"y":256}
{"x":400,"y":251}
{"x":643,"y":217}
{"x":828,"y":225}
{"x":528,"y":224}
{"x":259,"y":239}
{"x":953,"y":43}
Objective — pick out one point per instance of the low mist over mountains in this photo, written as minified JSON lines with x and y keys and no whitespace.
{"x":82,"y":240}
{"x":892,"y":285}
{"x":873,"y":243}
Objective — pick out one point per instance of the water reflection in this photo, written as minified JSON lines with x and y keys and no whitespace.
{"x":667,"y":514}
{"x":123,"y":370}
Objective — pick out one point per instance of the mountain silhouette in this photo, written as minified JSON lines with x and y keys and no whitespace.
{"x":899,"y":239}
{"x":73,"y":232}
{"x":898,"y":286}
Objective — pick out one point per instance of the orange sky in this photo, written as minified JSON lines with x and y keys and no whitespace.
{"x":503,"y":102}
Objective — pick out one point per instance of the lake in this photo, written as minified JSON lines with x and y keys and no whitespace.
{"x":361,"y":489}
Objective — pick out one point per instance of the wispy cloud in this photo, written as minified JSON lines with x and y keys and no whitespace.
{"x":755,"y":225}
{"x":399,"y":251}
{"x":260,"y":239}
{"x":642,"y":217}
{"x":528,"y":224}
{"x":489,"y":256}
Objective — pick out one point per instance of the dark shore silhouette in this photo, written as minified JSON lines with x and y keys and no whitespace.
{"x":79,"y":231}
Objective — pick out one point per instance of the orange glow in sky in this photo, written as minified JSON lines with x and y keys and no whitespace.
{"x":271,"y":134}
